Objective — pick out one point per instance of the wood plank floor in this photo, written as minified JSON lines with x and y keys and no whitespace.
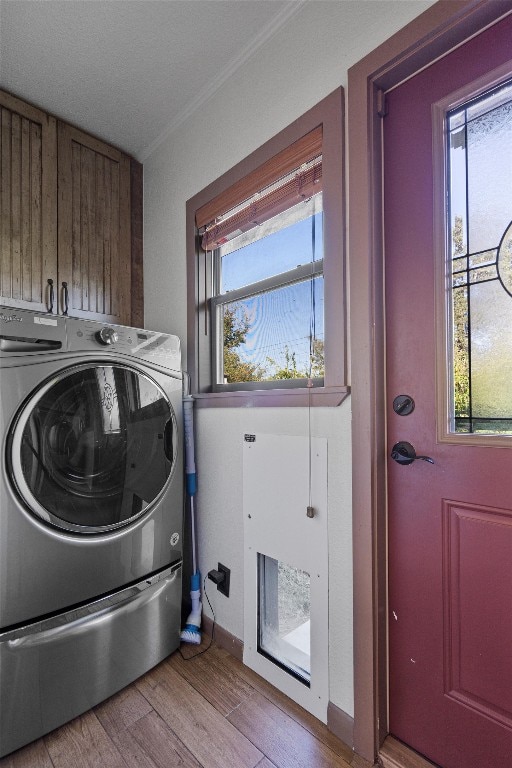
{"x":394,"y":754}
{"x":205,"y":712}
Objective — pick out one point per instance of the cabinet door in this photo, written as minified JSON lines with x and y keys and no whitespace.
{"x":94,"y":234}
{"x":28,"y":205}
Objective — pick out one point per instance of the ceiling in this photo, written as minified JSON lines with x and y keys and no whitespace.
{"x":129,"y":71}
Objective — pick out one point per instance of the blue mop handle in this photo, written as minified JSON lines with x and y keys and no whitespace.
{"x":190,"y":461}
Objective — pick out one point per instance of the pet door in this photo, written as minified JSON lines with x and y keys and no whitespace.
{"x":284,"y":621}
{"x":286,"y":566}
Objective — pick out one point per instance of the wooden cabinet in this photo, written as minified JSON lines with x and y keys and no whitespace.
{"x":94,"y":225}
{"x":66,"y":219}
{"x":28,"y":205}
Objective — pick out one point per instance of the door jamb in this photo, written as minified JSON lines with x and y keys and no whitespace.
{"x":431,"y":35}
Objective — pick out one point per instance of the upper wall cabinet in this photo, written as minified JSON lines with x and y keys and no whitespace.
{"x":66,"y":219}
{"x":94,"y":226}
{"x":28,"y":205}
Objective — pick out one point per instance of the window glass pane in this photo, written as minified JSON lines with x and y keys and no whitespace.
{"x":458,"y":193}
{"x":483,"y":259}
{"x":274,"y":247}
{"x":267,"y":336}
{"x":491,"y":358}
{"x":460,"y":352}
{"x":284,"y":615}
{"x":459,"y":265}
{"x":489,"y":154}
{"x":480,"y":203}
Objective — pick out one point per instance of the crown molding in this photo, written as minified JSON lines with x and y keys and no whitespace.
{"x":278,"y":21}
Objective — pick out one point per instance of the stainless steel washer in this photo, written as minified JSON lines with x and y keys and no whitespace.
{"x":91,"y":506}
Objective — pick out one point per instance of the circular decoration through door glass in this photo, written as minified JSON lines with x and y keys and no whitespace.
{"x":505,"y":259}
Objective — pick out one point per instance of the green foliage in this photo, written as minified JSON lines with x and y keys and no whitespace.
{"x":317,"y":359}
{"x":235,"y":370}
{"x":460,"y":352}
{"x":235,"y":333}
{"x":460,"y":332}
{"x":236,"y":327}
{"x":458,"y":236}
{"x":287,"y":371}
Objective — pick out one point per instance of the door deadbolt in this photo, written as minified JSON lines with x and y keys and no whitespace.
{"x":403,"y":405}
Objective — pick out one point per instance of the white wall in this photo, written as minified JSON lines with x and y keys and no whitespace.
{"x":302,"y":63}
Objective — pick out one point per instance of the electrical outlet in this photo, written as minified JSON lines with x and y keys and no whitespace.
{"x":224,"y":584}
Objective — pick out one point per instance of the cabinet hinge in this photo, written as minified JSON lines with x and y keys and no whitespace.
{"x":382,"y":103}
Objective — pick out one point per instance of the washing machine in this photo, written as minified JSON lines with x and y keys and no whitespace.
{"x":91,"y":509}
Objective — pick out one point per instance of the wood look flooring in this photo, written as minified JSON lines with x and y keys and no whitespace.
{"x":207,"y":712}
{"x":394,"y":754}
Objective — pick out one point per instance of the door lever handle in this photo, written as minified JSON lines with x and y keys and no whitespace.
{"x":405,"y":453}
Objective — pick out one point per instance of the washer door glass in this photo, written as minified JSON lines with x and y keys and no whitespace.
{"x":94,"y":448}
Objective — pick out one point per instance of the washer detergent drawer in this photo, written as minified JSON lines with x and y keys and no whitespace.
{"x":56,"y":669}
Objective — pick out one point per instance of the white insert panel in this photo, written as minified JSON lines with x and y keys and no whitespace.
{"x":275,"y":500}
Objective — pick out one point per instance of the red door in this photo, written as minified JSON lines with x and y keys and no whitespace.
{"x":450,"y":522}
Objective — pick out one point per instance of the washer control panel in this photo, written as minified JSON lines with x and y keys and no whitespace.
{"x":25,"y":332}
{"x":90,"y":335}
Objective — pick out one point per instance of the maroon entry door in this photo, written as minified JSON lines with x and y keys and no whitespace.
{"x":450,"y":522}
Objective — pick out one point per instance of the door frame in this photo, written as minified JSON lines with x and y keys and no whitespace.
{"x":443,"y":27}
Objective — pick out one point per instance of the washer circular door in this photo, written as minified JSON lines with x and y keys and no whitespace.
{"x":93,"y":448}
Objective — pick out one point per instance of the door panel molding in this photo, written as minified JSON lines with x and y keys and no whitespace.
{"x":441,"y":28}
{"x":469,"y":533}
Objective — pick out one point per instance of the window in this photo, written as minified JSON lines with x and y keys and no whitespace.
{"x":265,"y":249}
{"x":267,"y":307}
{"x":480,"y":206}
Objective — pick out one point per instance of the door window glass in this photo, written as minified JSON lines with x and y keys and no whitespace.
{"x":94,"y":449}
{"x":480,"y":214}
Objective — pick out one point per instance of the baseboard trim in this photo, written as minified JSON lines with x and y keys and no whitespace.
{"x":341,"y":724}
{"x":225,"y":639}
{"x":338,"y":722}
{"x":394,"y":754}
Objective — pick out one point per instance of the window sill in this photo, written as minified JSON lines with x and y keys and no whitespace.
{"x":272,"y":398}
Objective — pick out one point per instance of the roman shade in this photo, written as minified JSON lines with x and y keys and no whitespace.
{"x":285,"y":179}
